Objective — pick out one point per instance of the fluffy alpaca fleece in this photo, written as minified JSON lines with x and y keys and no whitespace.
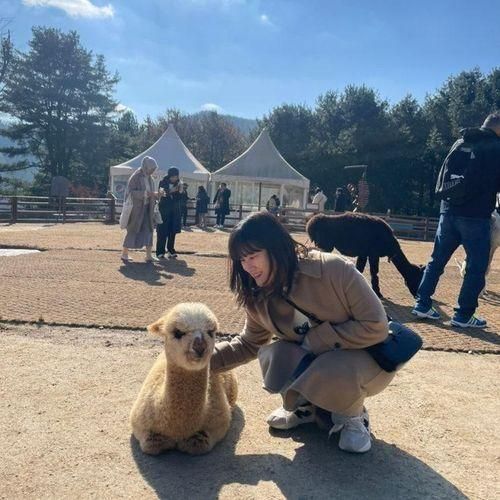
{"x":495,"y":243}
{"x":182,"y":404}
{"x":366,"y":237}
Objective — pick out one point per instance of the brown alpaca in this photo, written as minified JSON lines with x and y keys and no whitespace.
{"x":182,"y":404}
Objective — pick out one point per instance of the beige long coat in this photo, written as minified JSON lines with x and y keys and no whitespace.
{"x":332,"y":289}
{"x":136,"y":188}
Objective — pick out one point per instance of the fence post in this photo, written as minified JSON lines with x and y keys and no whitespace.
{"x":63,"y":203}
{"x":426,"y":229}
{"x":13,"y":210}
{"x":240,"y":212}
{"x":112,"y":208}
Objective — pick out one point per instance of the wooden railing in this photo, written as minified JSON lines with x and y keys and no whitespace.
{"x":16,"y":209}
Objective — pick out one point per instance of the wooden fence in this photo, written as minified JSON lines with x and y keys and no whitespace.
{"x":38,"y":209}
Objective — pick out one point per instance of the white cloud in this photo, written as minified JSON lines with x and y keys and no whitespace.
{"x":121,"y":108}
{"x":210,"y":106}
{"x":75,"y":8}
{"x":222,"y":3}
{"x":264,"y":19}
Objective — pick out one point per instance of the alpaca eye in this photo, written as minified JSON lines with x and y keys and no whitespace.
{"x":211,"y":333}
{"x":178,"y":334}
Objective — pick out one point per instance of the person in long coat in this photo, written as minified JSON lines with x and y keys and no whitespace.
{"x":323,"y":313}
{"x":221,"y":202}
{"x":141,"y":189}
{"x":202,"y":201}
{"x":170,"y":193}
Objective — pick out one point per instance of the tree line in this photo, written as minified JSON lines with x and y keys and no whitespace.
{"x":62,"y":117}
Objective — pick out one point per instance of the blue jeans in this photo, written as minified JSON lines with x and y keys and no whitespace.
{"x":475,"y":236}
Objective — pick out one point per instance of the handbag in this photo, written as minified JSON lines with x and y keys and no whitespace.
{"x":126,"y":211}
{"x":400,"y":346}
{"x":157,"y":218}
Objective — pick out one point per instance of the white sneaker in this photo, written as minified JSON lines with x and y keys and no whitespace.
{"x":283,"y":419}
{"x":354,"y":432}
{"x":172,"y":255}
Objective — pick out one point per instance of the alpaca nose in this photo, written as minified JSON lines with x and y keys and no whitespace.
{"x":199,"y":346}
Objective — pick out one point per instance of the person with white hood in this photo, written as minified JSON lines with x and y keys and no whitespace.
{"x":319,"y":199}
{"x":141,"y":189}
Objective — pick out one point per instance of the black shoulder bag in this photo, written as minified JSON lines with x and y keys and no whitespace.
{"x":400,"y":346}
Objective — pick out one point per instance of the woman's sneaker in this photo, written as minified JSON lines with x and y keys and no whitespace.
{"x":428,"y":314}
{"x":283,"y":419}
{"x":354,"y":432}
{"x":172,"y":255}
{"x":472,"y":322}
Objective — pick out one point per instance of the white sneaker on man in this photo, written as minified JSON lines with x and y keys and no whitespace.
{"x":354,"y":432}
{"x":283,"y":419}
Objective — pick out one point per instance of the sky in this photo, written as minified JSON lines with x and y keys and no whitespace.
{"x":245,"y":57}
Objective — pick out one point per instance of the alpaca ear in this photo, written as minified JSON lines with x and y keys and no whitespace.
{"x":156,"y":328}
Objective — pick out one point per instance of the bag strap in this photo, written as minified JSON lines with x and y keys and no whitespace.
{"x":307,"y":314}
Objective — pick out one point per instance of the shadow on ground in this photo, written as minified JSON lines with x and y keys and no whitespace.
{"x":318,"y":470}
{"x":152,"y":273}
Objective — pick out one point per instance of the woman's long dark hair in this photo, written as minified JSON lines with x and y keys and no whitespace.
{"x":262,"y":231}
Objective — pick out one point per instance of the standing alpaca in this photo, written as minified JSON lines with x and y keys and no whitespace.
{"x":182,"y":404}
{"x":366,"y":237}
{"x":495,"y":243}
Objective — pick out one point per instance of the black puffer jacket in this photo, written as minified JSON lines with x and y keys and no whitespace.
{"x":487,"y":182}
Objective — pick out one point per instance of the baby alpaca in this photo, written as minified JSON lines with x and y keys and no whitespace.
{"x":182,"y":404}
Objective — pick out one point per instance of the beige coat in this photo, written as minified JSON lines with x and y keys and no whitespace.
{"x":353,"y":318}
{"x":136,"y":188}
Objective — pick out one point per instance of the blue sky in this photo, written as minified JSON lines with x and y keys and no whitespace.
{"x":245,"y":57}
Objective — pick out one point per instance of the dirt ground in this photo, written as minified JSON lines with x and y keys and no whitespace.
{"x":66,"y":388}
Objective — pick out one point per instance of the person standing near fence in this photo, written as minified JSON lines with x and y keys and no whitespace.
{"x":184,"y":202}
{"x":202,"y":201}
{"x":467,"y":185}
{"x":221,"y":202}
{"x":140,"y":188}
{"x":170,"y":209}
{"x":319,"y":199}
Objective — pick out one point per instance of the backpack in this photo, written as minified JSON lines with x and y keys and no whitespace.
{"x":457,"y":174}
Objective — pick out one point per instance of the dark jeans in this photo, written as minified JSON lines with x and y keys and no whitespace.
{"x":220,"y":219}
{"x":184,"y":214}
{"x":475,"y":236}
{"x":165,"y":236}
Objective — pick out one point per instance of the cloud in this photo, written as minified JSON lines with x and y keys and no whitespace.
{"x":75,"y":8}
{"x":121,"y":108}
{"x":222,"y":3}
{"x":264,"y":19}
{"x":210,"y":106}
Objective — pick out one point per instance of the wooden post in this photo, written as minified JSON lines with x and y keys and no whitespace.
{"x":240,"y":212}
{"x":13,"y":210}
{"x":112,"y":208}
{"x":62,"y":202}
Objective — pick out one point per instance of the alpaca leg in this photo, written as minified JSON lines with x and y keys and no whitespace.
{"x":374,"y":275}
{"x":198,"y":444}
{"x":153,"y":443}
{"x":361,"y":263}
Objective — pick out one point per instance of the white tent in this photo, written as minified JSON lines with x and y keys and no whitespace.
{"x":260,"y":172}
{"x":168,"y":151}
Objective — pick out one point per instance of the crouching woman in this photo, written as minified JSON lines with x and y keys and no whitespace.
{"x":324,"y":315}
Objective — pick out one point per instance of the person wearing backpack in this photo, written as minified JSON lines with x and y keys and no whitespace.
{"x":467,"y":185}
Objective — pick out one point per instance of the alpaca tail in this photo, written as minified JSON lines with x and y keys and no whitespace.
{"x":411,"y":273}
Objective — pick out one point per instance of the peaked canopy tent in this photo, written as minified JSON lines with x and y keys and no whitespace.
{"x":168,"y":151}
{"x":260,"y":172}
